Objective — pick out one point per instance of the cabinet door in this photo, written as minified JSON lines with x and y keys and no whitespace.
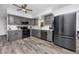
{"x":19,"y":34}
{"x":34,"y":32}
{"x":10,"y":20}
{"x":32,"y":21}
{"x":49,"y":36}
{"x":49,"y":19}
{"x":43,"y":34}
{"x":17,"y":21}
{"x":12,"y":35}
{"x":30,"y":32}
{"x":35,"y":21}
{"x":39,"y":33}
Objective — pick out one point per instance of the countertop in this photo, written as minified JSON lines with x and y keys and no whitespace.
{"x":42,"y":28}
{"x":12,"y":28}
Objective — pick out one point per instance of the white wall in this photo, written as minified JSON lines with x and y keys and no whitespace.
{"x":77,"y":21}
{"x":3,"y":20}
{"x":3,"y":26}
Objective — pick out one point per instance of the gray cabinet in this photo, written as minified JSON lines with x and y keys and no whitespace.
{"x":44,"y":34}
{"x":19,"y":34}
{"x":17,"y":20}
{"x":14,"y":35}
{"x":50,"y":36}
{"x":35,"y":33}
{"x":34,"y":21}
{"x":14,"y":20}
{"x":11,"y":20}
{"x":49,"y":19}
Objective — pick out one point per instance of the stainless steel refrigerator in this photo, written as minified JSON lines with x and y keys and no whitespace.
{"x":65,"y":31}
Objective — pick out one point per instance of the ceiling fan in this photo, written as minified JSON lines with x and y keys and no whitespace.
{"x":22,"y":7}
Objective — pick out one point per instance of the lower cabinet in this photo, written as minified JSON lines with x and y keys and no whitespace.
{"x":44,"y":34}
{"x":35,"y":33}
{"x":39,"y":33}
{"x":14,"y":35}
{"x":50,"y":36}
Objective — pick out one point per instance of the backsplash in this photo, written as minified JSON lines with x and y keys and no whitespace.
{"x":13,"y":27}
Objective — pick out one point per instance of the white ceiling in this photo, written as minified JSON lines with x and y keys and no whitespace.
{"x":40,"y":8}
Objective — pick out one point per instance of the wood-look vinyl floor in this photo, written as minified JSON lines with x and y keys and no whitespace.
{"x":77,"y":46}
{"x":31,"y":45}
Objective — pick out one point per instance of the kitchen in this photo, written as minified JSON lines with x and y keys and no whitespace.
{"x":49,"y":27}
{"x":33,"y":27}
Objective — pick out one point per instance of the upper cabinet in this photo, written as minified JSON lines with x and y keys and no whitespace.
{"x":16,"y":20}
{"x":11,"y":20}
{"x":48,"y":19}
{"x":34,"y":21}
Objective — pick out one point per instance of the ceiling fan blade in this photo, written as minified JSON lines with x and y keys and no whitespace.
{"x":16,"y":5}
{"x":24,"y":6}
{"x":28,"y":9}
{"x":19,"y":9}
{"x":25,"y":11}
